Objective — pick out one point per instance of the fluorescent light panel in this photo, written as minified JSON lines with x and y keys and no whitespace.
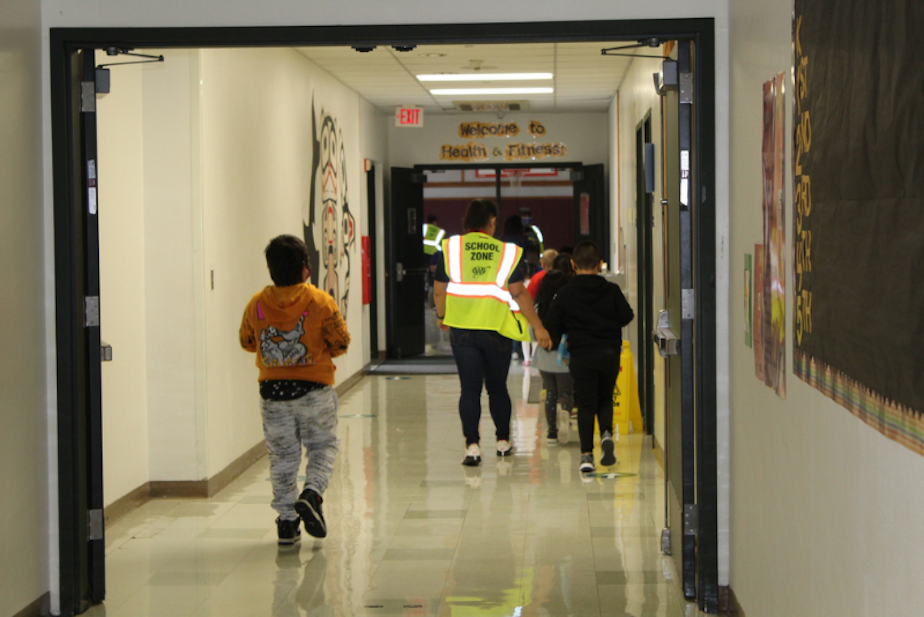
{"x":486,"y":77}
{"x":482,"y":91}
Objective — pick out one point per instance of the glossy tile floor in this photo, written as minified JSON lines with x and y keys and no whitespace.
{"x":411,"y":531}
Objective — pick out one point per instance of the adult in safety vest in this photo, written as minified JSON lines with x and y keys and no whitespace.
{"x":534,"y":237}
{"x":481,"y":300}
{"x":432,"y":235}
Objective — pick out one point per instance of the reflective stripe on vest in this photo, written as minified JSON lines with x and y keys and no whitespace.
{"x":432,"y":244}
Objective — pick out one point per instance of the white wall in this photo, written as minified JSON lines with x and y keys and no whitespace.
{"x":584,"y":134}
{"x":172,"y":273}
{"x":24,"y":486}
{"x":825,"y":511}
{"x":206,"y":156}
{"x":637,"y":98}
{"x":123,"y":323}
{"x":257,"y":166}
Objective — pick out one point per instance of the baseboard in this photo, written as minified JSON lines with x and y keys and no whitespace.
{"x":41,"y":607}
{"x":728,"y":603}
{"x":125,"y":504}
{"x":349,"y":382}
{"x":658,"y":452}
{"x":244,"y":462}
{"x":183,"y":489}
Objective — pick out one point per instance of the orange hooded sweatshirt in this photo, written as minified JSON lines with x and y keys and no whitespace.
{"x":295,"y":331}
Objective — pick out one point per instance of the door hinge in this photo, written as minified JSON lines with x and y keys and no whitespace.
{"x":91,"y":311}
{"x":88,"y":97}
{"x":95,"y":524}
{"x":105,"y":352}
{"x":688,"y":300}
{"x":686,"y":88}
{"x":577,"y":176}
{"x":690,"y":519}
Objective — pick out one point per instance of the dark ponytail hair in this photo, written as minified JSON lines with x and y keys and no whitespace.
{"x":478,"y":215}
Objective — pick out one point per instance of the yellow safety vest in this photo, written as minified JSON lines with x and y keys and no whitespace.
{"x":539,"y":238}
{"x":477,"y":297}
{"x":432,"y":237}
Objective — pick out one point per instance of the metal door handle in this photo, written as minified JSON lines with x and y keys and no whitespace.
{"x":668,"y":343}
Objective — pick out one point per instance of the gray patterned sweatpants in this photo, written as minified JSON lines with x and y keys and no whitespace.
{"x":287,"y":425}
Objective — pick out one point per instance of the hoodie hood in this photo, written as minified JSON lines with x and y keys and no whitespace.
{"x":279,"y":304}
{"x":590,"y":287}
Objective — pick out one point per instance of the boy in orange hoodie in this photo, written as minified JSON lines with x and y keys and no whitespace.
{"x":295,"y":329}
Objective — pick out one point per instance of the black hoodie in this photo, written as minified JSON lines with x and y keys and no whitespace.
{"x":591,"y":311}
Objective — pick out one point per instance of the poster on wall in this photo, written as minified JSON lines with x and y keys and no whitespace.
{"x":858,"y":211}
{"x":773,"y":296}
{"x":757,"y":316}
{"x":748,"y":275}
{"x":330,"y":228}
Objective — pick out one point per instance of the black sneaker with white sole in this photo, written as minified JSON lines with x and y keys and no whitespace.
{"x":308,"y":507}
{"x":608,"y":447}
{"x":288,"y":532}
{"x":587,"y":463}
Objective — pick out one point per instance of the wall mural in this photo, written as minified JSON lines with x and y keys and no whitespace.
{"x":329,"y":226}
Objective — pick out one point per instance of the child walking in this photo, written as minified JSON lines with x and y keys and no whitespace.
{"x":295,"y":329}
{"x":556,"y":379}
{"x":592,"y":312}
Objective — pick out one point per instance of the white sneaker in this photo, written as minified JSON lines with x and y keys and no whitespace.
{"x":564,"y":426}
{"x":504,"y":448}
{"x":472,"y":455}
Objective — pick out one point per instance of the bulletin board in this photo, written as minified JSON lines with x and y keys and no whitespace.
{"x":858,"y":214}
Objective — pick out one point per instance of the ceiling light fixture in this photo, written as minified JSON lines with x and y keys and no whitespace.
{"x":489,"y":91}
{"x":485,"y":77}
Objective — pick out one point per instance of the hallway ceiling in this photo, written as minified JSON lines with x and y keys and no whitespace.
{"x":584,"y":79}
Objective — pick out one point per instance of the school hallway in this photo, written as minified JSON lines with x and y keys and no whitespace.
{"x":410,"y":530}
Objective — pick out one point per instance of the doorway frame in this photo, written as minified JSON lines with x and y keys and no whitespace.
{"x":70,"y":262}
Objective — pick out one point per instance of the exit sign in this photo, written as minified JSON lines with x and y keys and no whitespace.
{"x":408,"y":116}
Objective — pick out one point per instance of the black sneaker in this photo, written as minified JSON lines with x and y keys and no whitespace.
{"x":607,"y":445}
{"x":587,"y":463}
{"x":288,"y":531}
{"x":551,"y":438}
{"x":308,"y":507}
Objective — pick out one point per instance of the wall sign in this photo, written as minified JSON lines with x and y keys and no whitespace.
{"x":408,"y":116}
{"x":477,"y":130}
{"x":536,"y":129}
{"x":471,"y":151}
{"x":532,"y":152}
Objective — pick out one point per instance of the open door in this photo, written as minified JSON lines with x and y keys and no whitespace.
{"x":80,"y":446}
{"x":644,"y":314}
{"x":407,"y":265}
{"x":680,"y":336}
{"x":591,"y":211}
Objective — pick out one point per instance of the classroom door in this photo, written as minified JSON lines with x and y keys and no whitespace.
{"x":80,"y":444}
{"x":407,"y":265}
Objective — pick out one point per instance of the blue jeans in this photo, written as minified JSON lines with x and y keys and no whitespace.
{"x":483,"y":359}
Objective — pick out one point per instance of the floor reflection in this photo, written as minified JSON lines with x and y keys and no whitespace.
{"x":411,"y":531}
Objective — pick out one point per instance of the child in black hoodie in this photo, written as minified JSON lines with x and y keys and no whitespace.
{"x":592,"y":312}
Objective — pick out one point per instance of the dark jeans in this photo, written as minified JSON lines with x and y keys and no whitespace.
{"x":483,"y":358}
{"x":594,"y":372}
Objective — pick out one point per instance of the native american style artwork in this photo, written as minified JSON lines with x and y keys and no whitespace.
{"x":330,"y":229}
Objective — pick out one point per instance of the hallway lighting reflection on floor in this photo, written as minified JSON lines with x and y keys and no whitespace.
{"x":411,"y":531}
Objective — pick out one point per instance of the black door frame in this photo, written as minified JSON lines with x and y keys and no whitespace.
{"x":71,"y":262}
